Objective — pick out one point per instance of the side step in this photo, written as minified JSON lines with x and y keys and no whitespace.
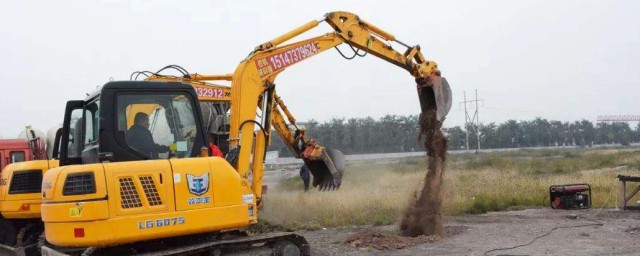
{"x":288,"y":244}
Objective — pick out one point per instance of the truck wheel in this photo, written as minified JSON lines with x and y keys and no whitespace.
{"x":286,"y":248}
{"x":7,"y":232}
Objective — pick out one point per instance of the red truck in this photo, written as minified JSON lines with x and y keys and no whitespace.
{"x":20,"y":150}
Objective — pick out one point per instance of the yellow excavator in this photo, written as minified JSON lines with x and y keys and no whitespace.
{"x":136,"y":175}
{"x":20,"y":196}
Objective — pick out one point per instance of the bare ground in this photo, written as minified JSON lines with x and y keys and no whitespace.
{"x":605,"y":232}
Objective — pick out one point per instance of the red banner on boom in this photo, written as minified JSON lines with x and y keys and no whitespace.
{"x":280,"y":60}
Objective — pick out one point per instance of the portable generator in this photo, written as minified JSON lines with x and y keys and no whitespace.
{"x":570,"y":197}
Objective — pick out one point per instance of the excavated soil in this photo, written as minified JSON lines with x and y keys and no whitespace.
{"x":424,"y":214}
{"x":386,"y":241}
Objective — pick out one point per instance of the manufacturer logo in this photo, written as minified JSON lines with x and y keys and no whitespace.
{"x":199,"y":200}
{"x":198,"y":185}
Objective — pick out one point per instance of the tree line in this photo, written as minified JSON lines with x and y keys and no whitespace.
{"x":395,"y":133}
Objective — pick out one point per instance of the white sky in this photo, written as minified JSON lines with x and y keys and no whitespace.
{"x":563,"y":60}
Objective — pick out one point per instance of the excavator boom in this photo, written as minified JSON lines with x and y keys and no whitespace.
{"x":254,"y":81}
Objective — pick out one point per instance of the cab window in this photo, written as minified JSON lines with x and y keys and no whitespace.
{"x":75,"y":134}
{"x":17,"y":156}
{"x":157,"y":126}
{"x":92,"y":120}
{"x":90,"y":131}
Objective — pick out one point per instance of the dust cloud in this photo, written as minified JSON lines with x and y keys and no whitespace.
{"x":424,"y":214}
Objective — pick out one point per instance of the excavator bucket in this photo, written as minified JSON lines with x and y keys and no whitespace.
{"x":327,"y":171}
{"x":434,"y":93}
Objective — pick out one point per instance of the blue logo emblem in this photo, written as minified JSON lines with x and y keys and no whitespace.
{"x":198,"y":185}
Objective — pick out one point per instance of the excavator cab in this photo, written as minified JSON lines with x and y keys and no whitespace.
{"x":145,"y":123}
{"x":116,"y":190}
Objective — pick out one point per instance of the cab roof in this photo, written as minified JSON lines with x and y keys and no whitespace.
{"x":13,"y":144}
{"x":138,"y":85}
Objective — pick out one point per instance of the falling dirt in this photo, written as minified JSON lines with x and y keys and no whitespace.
{"x":385,"y":241}
{"x":424,"y":214}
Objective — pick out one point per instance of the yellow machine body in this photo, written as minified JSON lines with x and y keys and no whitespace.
{"x":20,"y":196}
{"x":146,"y":200}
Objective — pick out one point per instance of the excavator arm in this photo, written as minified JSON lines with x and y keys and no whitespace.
{"x":253,"y":85}
{"x":253,"y":89}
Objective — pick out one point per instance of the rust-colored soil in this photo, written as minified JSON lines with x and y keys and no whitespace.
{"x":385,"y":241}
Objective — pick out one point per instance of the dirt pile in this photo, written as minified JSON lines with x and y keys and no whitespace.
{"x":385,"y":241}
{"x":424,"y":214}
{"x":264,"y":226}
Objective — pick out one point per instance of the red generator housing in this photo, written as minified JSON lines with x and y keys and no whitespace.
{"x":570,"y":196}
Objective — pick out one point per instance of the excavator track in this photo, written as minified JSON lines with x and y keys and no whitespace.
{"x":238,"y":243}
{"x":26,"y":241}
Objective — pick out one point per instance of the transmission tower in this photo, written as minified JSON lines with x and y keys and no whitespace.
{"x":472,"y":121}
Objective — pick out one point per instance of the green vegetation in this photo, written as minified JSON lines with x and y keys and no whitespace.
{"x":376,"y":193}
{"x":393,"y":133}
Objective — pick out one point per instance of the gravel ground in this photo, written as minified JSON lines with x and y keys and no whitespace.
{"x":583,"y":232}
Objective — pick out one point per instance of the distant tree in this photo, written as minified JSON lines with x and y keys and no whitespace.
{"x":622,"y":133}
{"x":456,"y":137}
{"x":511,"y":134}
{"x":558,"y":133}
{"x":489,"y":137}
{"x":604,"y":134}
{"x":394,"y":133}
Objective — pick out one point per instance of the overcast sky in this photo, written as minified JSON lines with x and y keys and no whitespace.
{"x":563,"y":60}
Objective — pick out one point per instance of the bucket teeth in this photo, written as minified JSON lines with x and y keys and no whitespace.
{"x":327,"y":171}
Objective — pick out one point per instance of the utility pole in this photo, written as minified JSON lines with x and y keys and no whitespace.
{"x":472,"y":121}
{"x":466,"y":122}
{"x":477,"y":114}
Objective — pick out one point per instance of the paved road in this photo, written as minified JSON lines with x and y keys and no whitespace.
{"x":291,"y":160}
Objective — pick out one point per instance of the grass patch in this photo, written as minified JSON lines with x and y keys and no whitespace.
{"x":378,"y":193}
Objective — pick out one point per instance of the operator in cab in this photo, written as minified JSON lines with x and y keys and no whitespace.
{"x":139,"y":137}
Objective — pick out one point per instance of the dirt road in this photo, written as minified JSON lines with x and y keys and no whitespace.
{"x":606,"y":232}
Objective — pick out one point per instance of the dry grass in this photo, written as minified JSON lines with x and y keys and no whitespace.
{"x":377,"y":193}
